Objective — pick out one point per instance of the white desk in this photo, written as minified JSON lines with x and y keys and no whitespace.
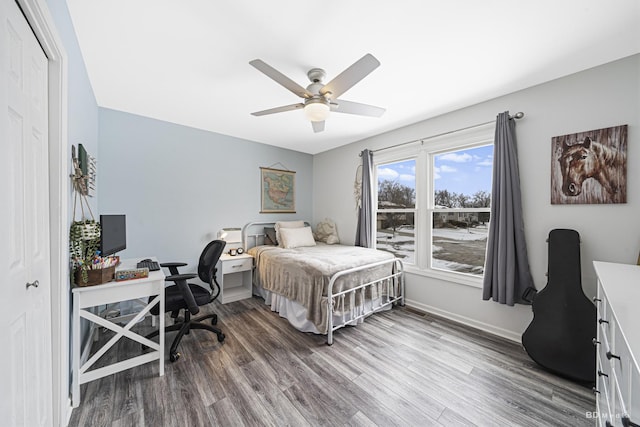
{"x":108,"y":293}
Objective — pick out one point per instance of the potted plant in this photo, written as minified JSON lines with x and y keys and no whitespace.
{"x":84,"y":242}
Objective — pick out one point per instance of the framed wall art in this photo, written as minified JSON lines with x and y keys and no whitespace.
{"x":277,"y":191}
{"x":589,"y":167}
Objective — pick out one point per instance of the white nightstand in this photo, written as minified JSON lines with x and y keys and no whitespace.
{"x":235,"y":277}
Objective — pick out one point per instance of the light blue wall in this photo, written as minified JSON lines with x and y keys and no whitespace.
{"x":82,"y":105}
{"x":82,"y":128}
{"x":179,"y":185}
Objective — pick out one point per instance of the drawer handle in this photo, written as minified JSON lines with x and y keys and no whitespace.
{"x":595,"y":390}
{"x":601,"y":321}
{"x":595,"y":341}
{"x":626,"y":422}
{"x":602,"y":374}
{"x":612,"y":356}
{"x":596,"y":299}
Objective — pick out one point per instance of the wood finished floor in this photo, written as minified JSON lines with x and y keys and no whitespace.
{"x":399,"y":368}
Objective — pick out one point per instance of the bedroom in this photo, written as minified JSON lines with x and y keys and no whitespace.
{"x":606,"y":95}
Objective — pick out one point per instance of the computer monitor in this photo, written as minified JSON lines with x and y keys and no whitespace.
{"x":114,"y":234}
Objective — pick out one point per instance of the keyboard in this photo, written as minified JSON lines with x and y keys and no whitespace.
{"x":151,"y":265}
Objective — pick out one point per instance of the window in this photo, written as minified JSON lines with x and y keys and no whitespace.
{"x":460,"y":209}
{"x":433,"y":203}
{"x":395,"y":217}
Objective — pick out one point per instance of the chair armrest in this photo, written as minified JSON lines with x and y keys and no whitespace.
{"x":181,"y":282}
{"x":180,"y":277}
{"x":173,"y":266}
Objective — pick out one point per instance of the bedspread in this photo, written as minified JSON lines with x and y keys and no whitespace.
{"x":303,"y":274}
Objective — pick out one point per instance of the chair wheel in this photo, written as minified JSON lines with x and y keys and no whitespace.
{"x":174,"y":356}
{"x":221,"y":337}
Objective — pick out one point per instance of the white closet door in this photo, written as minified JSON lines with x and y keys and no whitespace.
{"x":25,"y":361}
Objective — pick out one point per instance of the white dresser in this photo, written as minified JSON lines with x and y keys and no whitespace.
{"x":618,"y":342}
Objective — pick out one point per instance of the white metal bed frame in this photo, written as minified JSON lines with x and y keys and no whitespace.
{"x":392,"y":283}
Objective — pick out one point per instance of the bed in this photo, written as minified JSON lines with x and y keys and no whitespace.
{"x":321,"y":287}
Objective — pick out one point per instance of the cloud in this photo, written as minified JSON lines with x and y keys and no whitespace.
{"x":487,"y":162}
{"x":447,"y":169}
{"x":455,"y":157}
{"x":387,"y":173}
{"x":407,"y":178}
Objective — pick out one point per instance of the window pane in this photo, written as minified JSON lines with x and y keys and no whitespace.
{"x":397,"y":185}
{"x":462,"y":179}
{"x":459,"y":241}
{"x":395,"y":233}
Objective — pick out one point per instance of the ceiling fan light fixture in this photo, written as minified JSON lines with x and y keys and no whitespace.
{"x":316,"y":110}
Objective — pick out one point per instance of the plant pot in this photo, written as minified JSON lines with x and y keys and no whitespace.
{"x":94,"y":277}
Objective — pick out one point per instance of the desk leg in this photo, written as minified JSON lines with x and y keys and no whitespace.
{"x":75,"y":365}
{"x":161,"y":316}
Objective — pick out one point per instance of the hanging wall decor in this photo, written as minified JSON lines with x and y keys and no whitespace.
{"x":84,"y":233}
{"x":86,"y":171}
{"x":277,"y":191}
{"x":589,"y":167}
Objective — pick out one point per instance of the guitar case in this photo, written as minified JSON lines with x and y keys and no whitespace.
{"x":560,"y":335}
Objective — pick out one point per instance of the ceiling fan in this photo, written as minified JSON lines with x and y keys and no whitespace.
{"x":320,"y":98}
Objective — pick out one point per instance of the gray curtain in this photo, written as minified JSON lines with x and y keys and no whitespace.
{"x":506,"y":274}
{"x":364,"y":236}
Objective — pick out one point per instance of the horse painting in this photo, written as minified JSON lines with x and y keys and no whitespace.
{"x":588,"y":171}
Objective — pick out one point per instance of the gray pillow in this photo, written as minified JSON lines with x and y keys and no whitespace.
{"x":270,"y":236}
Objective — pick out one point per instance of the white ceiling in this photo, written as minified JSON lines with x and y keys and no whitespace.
{"x":187,"y":61}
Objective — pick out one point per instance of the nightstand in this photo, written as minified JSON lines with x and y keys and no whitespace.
{"x":234,"y":276}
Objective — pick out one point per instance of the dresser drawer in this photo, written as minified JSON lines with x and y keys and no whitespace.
{"x":603,"y":405}
{"x":605,"y":316}
{"x":622,"y":364}
{"x":232,"y":266}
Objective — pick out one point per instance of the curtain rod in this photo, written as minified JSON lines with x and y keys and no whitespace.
{"x":516,"y":116}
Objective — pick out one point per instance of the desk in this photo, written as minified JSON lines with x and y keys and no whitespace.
{"x":109,"y":293}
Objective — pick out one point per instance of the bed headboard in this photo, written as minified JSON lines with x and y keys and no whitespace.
{"x":253,"y":233}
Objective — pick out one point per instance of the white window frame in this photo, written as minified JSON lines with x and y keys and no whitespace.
{"x":423,"y":152}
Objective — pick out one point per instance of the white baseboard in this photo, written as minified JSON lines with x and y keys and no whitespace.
{"x":504,"y":333}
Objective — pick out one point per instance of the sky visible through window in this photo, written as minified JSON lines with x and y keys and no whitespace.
{"x":464,"y":172}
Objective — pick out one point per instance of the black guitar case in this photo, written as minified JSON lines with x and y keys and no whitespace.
{"x":560,"y":335}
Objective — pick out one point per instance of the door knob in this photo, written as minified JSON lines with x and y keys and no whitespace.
{"x":35,"y":284}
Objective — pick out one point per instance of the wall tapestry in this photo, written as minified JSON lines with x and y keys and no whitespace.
{"x":277,"y":191}
{"x":589,"y":167}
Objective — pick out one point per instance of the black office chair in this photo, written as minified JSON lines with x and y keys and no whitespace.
{"x":189,"y":297}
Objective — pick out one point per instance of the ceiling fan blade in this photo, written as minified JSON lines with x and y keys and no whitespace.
{"x":278,"y":109}
{"x":348,"y":107}
{"x":349,"y":77}
{"x":318,"y":126}
{"x":280,"y":78}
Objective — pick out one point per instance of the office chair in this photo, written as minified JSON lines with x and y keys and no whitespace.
{"x":189,"y":297}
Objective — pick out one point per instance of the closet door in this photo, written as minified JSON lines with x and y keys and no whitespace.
{"x":26,"y":360}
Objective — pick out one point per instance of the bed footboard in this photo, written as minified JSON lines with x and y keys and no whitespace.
{"x":375,"y":295}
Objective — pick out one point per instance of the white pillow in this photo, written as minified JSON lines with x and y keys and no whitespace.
{"x":286,"y":224}
{"x":296,"y":237}
{"x":327,"y":232}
